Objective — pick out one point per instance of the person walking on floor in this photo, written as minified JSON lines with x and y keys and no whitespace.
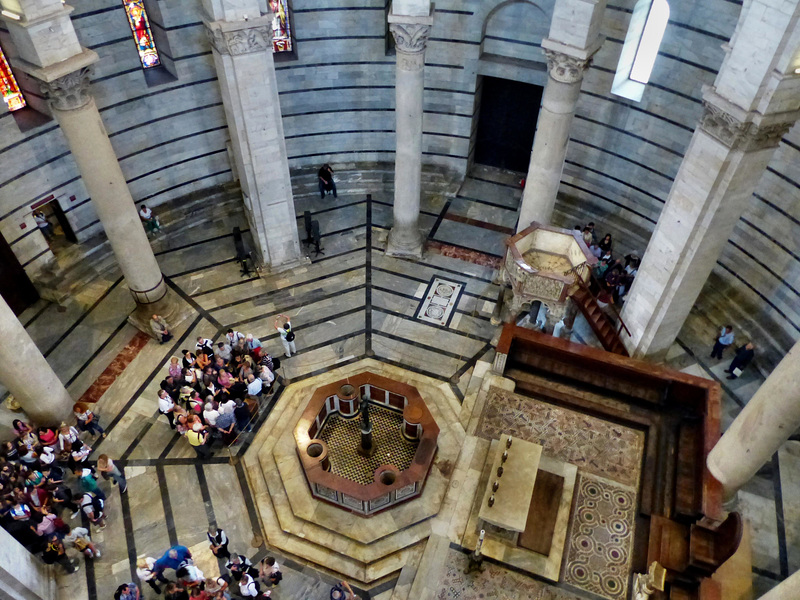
{"x":109,"y":470}
{"x":199,"y":440}
{"x":166,"y":406}
{"x":145,"y":571}
{"x":744,"y":354}
{"x":287,"y":335}
{"x":724,"y":340}
{"x":56,"y":553}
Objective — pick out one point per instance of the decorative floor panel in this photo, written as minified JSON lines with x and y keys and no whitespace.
{"x":343,"y":437}
{"x":600,"y":538}
{"x":591,"y":444}
{"x":492,"y":583}
{"x":439,"y":301}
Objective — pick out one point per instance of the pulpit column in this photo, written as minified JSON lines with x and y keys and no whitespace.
{"x":411,"y":36}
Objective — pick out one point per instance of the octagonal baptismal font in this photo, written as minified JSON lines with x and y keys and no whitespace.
{"x":366,"y":443}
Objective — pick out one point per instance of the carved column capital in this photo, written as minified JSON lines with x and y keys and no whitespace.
{"x":565,"y":68}
{"x":741,"y":135}
{"x":70,"y":91}
{"x":238,"y":40}
{"x":410,"y":38}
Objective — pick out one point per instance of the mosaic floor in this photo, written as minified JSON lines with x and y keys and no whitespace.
{"x":344,"y":435}
{"x":600,"y":538}
{"x":591,"y":444}
{"x":492,"y":583}
{"x":439,"y":300}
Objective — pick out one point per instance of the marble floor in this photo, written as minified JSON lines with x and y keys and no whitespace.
{"x":347,"y":304}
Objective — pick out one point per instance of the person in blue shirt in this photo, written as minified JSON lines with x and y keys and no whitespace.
{"x":172,"y":559}
{"x":724,"y":340}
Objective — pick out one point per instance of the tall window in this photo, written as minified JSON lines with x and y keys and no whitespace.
{"x":140,"y":26}
{"x":281,"y":26}
{"x":639,"y":52}
{"x":12,"y":95}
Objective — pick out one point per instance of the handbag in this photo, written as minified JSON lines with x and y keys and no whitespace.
{"x":737,"y":372}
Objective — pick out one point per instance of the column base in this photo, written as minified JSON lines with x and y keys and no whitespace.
{"x":404,"y":243}
{"x":288,"y":265}
{"x":171,"y":307}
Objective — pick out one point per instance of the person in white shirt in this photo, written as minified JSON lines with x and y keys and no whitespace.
{"x":166,"y":407}
{"x":269,"y":571}
{"x":146,"y":573}
{"x":205,"y":345}
{"x":287,"y":336}
{"x":249,"y":588}
{"x":210,"y":414}
{"x":223,"y":351}
{"x":149,"y":219}
{"x":233,"y":337}
{"x":254,"y":385}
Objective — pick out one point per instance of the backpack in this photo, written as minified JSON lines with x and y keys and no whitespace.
{"x":97,"y":503}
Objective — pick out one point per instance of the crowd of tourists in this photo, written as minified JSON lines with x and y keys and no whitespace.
{"x":212,"y":392}
{"x":612,"y":275}
{"x":47,"y":482}
{"x":239,"y":576}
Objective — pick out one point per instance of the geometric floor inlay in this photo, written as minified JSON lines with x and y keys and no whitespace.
{"x":600,"y":537}
{"x":344,"y":435}
{"x":590,"y":443}
{"x":492,"y":583}
{"x":439,"y":300}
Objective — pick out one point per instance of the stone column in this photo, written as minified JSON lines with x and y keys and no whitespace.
{"x":241,"y":40}
{"x":573,"y":39}
{"x":753,"y":103}
{"x":788,"y":589}
{"x":770,"y":417}
{"x":50,"y":52}
{"x":411,"y":36}
{"x":26,"y":374}
{"x":559,"y":102}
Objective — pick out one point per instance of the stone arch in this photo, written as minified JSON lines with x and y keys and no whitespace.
{"x":517,"y":34}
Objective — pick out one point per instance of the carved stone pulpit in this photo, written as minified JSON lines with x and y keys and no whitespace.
{"x":541,"y":263}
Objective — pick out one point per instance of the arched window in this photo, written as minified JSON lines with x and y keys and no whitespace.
{"x":140,"y":27}
{"x":281,"y":26}
{"x":12,"y":95}
{"x":639,"y":52}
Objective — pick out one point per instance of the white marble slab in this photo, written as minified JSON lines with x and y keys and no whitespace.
{"x":439,"y":301}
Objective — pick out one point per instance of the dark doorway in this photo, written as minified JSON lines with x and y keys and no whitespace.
{"x":64,"y":224}
{"x":15,"y":287}
{"x":507,"y":123}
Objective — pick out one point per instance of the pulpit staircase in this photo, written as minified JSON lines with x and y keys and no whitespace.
{"x":604,"y":328}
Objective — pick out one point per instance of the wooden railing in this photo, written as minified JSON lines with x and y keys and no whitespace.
{"x":577,"y":274}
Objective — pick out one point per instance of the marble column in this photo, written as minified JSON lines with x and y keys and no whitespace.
{"x":411,"y":36}
{"x":26,"y":374}
{"x":765,"y":423}
{"x":50,"y":52}
{"x":788,"y":589}
{"x":241,"y":40}
{"x":559,"y":102}
{"x":573,"y":39}
{"x":753,"y":104}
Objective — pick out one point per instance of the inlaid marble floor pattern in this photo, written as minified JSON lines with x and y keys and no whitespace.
{"x":351,"y":302}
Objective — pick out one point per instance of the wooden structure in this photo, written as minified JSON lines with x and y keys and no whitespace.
{"x":681,"y":523}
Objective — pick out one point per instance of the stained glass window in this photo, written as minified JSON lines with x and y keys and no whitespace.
{"x":140,"y":26}
{"x":281,"y":28}
{"x":8,"y":86}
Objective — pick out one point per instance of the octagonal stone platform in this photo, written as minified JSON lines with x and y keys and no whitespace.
{"x":365,"y":549}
